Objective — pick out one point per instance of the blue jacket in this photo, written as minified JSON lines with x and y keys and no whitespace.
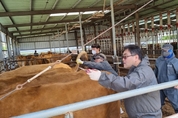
{"x":166,"y":69}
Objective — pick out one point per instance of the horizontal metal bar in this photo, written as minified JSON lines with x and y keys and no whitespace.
{"x":96,"y":101}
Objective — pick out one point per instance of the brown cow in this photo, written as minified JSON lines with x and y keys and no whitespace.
{"x":56,"y":87}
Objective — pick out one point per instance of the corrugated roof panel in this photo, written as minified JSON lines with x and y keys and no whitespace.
{"x":43,"y":4}
{"x":69,"y":17}
{"x":24,"y":28}
{"x":15,"y":34}
{"x":55,"y":18}
{"x":21,"y":19}
{"x":36,"y":32}
{"x":17,"y":5}
{"x":49,"y":25}
{"x":93,"y":3}
{"x":1,"y":8}
{"x":37,"y":26}
{"x":5,"y":21}
{"x":39,"y":18}
{"x":12,"y":29}
{"x":66,"y":4}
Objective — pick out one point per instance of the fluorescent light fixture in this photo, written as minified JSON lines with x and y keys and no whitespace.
{"x":105,"y":11}
{"x":58,"y":14}
{"x":73,"y":13}
{"x":89,"y":12}
{"x":77,"y":13}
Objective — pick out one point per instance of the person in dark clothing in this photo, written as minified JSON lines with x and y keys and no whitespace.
{"x":140,"y":75}
{"x":166,"y":69}
{"x":35,"y":53}
{"x":99,"y":63}
{"x":96,"y":50}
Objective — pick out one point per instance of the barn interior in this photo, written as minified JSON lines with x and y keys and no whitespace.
{"x":54,"y":28}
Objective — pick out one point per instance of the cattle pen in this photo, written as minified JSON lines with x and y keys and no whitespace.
{"x":68,"y":109}
{"x":36,"y":33}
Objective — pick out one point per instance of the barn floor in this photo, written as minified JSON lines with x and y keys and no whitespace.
{"x":167,"y":110}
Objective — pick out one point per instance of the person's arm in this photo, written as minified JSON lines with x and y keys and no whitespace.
{"x":118,"y":83}
{"x":91,"y":59}
{"x":94,"y":65}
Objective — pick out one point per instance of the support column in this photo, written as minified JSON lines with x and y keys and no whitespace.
{"x":14,"y":47}
{"x":84,"y":35}
{"x":1,"y":55}
{"x":75,"y":32}
{"x":8,"y":45}
{"x":137,"y":40}
{"x":115,"y":58}
{"x":67,"y":38}
{"x":59,"y":41}
{"x":81,"y":33}
{"x":94,"y":32}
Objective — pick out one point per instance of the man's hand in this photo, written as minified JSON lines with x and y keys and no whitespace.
{"x":79,"y":61}
{"x":94,"y":74}
{"x":176,"y":87}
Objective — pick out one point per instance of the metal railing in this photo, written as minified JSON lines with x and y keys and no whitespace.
{"x":96,"y":101}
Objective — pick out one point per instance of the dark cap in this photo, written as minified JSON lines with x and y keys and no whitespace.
{"x":99,"y":56}
{"x":95,"y":46}
{"x":167,"y":47}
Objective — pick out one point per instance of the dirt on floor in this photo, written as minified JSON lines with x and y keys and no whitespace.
{"x":167,"y":110}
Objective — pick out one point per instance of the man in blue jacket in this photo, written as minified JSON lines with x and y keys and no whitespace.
{"x":140,"y":75}
{"x":99,"y":63}
{"x":166,"y":69}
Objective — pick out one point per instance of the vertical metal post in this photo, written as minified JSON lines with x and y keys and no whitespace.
{"x":8,"y":45}
{"x":50,"y":44}
{"x":35,"y":45}
{"x":113,"y":28}
{"x":69,"y":115}
{"x":53,"y":44}
{"x":137,"y":29}
{"x":115,"y":58}
{"x":67,"y":37}
{"x":177,"y":36}
{"x":1,"y":54}
{"x":59,"y":41}
{"x":81,"y":33}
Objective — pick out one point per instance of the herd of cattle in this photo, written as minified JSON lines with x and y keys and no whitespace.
{"x":42,"y":58}
{"x":58,"y":86}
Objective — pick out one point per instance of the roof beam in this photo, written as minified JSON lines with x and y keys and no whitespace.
{"x":41,"y":23}
{"x":34,"y":36}
{"x":48,"y":32}
{"x":40,"y":33}
{"x":37,"y":29}
{"x":37,"y":12}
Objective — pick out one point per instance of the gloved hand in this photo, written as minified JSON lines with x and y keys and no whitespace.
{"x":79,"y":61}
{"x":94,"y":74}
